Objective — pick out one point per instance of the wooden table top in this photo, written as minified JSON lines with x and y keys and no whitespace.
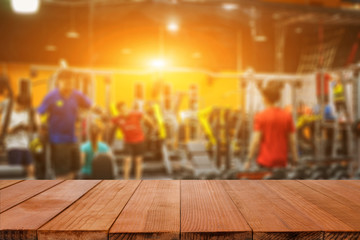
{"x":174,"y":209}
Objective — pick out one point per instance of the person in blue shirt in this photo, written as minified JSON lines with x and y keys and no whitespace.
{"x":91,"y":149}
{"x":329,"y":113}
{"x":61,"y":106}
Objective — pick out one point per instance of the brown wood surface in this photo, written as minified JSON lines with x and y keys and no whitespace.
{"x":22,"y":191}
{"x":207,"y":212}
{"x":171,"y":209}
{"x":153,"y":212}
{"x":355,"y":183}
{"x":338,"y":190}
{"x":327,"y":222}
{"x":7,"y":183}
{"x":91,"y":216}
{"x":22,"y":221}
{"x":269,"y":215}
{"x":343,"y":211}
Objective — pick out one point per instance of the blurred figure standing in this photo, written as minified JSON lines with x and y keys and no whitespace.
{"x":62,"y":106}
{"x":339,"y":98}
{"x":17,"y":140}
{"x":129,"y":121}
{"x":274,"y":131}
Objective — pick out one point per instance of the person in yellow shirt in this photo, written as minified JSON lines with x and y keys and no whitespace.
{"x":339,"y":96}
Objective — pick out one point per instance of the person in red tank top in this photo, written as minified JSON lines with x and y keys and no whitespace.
{"x":129,"y":121}
{"x":273,"y":132}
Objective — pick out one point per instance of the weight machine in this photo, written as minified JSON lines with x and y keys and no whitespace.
{"x":319,"y":161}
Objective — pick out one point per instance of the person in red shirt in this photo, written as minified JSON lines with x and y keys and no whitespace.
{"x":327,"y":80}
{"x":129,"y":121}
{"x":273,"y":132}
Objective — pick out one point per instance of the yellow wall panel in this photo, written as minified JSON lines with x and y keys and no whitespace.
{"x":212,"y":91}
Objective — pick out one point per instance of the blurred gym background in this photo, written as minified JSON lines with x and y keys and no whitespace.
{"x":200,"y":63}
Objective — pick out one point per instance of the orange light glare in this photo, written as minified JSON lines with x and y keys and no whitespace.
{"x":158,"y":63}
{"x":173,"y":27}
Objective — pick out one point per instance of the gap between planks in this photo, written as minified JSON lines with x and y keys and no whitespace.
{"x":8,"y":183}
{"x":37,"y":211}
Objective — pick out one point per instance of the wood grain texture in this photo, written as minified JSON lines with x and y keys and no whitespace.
{"x":158,"y":209}
{"x":340,"y":191}
{"x":91,"y":216}
{"x":22,"y":191}
{"x":331,"y":223}
{"x":325,"y":220}
{"x":7,"y":183}
{"x":22,"y":221}
{"x":207,"y":212}
{"x":216,"y":236}
{"x":144,"y":236}
{"x":288,"y":235}
{"x":348,"y":219}
{"x":153,"y":212}
{"x":342,"y":236}
{"x":269,"y":215}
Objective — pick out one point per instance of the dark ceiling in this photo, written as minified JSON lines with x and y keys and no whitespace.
{"x":223,"y":38}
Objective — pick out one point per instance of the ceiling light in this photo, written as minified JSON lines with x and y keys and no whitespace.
{"x":158,"y":63}
{"x":25,"y":6}
{"x":173,"y":27}
{"x":260,"y":38}
{"x":63,"y":63}
{"x":72,"y":34}
{"x":50,"y":48}
{"x":230,"y":6}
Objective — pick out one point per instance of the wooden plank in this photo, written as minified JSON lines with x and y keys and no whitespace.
{"x":338,"y":220}
{"x":338,"y":191}
{"x":22,"y":221}
{"x":207,"y":212}
{"x":91,"y":216}
{"x":269,"y":215}
{"x":355,"y":183}
{"x":7,"y":183}
{"x":152,"y":213}
{"x":22,"y":191}
{"x":306,"y":207}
